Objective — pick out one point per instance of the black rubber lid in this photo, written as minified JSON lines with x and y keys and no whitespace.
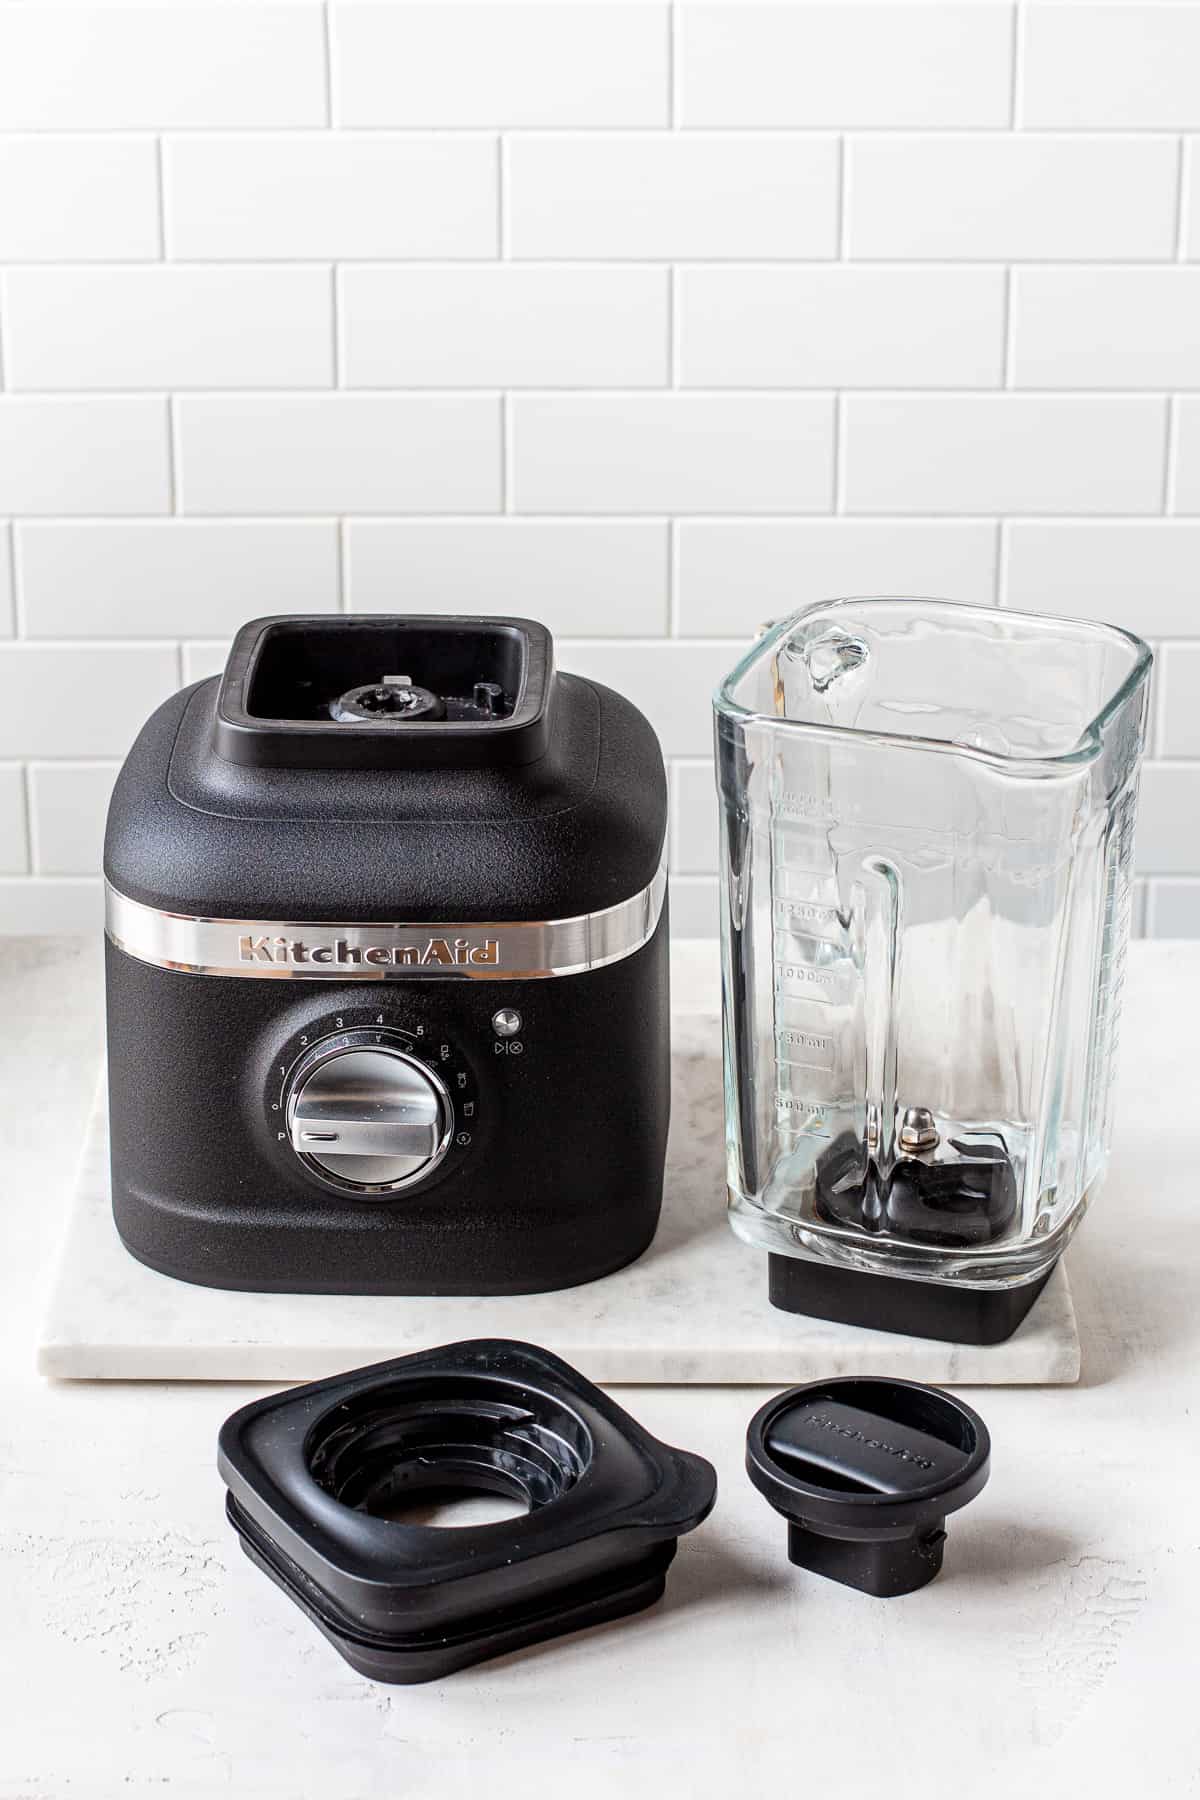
{"x":314,"y":1475}
{"x":865,"y":1471}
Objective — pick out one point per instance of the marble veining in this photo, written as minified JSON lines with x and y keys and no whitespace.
{"x":693,"y":1309}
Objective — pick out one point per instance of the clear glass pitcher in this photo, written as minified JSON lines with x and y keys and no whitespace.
{"x":927,"y":817}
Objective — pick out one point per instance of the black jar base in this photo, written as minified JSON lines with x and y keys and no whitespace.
{"x":927,"y":1309}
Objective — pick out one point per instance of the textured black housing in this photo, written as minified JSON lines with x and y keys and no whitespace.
{"x":313,"y":1475}
{"x":562,"y":1179}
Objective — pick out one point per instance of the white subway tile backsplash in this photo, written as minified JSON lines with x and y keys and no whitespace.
{"x":504,"y":326}
{"x":1110,"y":68}
{"x":997,"y":453}
{"x":694,"y":909}
{"x":102,"y":695}
{"x":1178,"y":671}
{"x":1168,"y":824}
{"x":1187,"y":456}
{"x":40,"y":908}
{"x":650,"y":321}
{"x":171,"y":578}
{"x":203,"y":660}
{"x":839,"y":326}
{"x":1190,"y":210}
{"x":671,"y":682}
{"x":168,"y":327}
{"x":256,"y":198}
{"x":680,"y":195}
{"x":14,"y":830}
{"x":672,"y":453}
{"x":1106,"y":328}
{"x":75,"y":199}
{"x":7,"y":610}
{"x":373,"y":453}
{"x":1143,"y":574}
{"x":693,"y":818}
{"x":91,"y":455}
{"x":735,"y":574}
{"x":1174,"y":909}
{"x":500,"y":65}
{"x":69,"y":805}
{"x":146,"y":67}
{"x":844,"y":66}
{"x":985,"y":197}
{"x":581,"y":576}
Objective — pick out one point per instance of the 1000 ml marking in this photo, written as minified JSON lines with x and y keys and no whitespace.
{"x":822,"y":986}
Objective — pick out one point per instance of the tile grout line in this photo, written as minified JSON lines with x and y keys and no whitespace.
{"x":673,"y":332}
{"x":506,"y":423}
{"x":745,"y":128}
{"x":32,"y":845}
{"x":999,"y":595}
{"x":17,"y":577}
{"x":335,"y":322}
{"x":1017,"y":55}
{"x":327,"y":61}
{"x":160,"y":196}
{"x":8,"y":562}
{"x":838,"y":498}
{"x":172,"y":457}
{"x":503,"y":209}
{"x":672,"y":23}
{"x":1157,"y":732}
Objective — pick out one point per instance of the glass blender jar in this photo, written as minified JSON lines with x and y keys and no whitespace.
{"x":927,"y":816}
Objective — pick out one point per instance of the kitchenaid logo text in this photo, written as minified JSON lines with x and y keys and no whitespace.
{"x":822,"y":1422}
{"x":448,"y":952}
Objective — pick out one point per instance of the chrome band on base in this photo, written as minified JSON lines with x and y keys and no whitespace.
{"x":274,"y":950}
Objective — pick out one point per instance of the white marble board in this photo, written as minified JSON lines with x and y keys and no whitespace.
{"x":693,"y":1309}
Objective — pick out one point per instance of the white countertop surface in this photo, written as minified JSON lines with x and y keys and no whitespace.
{"x":140,"y":1653}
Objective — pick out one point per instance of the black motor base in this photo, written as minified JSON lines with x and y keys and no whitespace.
{"x":955,"y":1315}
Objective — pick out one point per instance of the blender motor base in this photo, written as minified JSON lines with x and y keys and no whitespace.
{"x":955,"y":1315}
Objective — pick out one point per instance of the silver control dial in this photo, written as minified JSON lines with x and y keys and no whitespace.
{"x":366,"y":1114}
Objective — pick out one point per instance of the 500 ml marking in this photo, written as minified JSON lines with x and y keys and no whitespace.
{"x":790,"y":1107}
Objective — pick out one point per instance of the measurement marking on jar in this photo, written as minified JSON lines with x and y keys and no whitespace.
{"x":798,"y":1117}
{"x":822,"y":987}
{"x":794,"y":803}
{"x":793,"y":914}
{"x":805,"y":1049}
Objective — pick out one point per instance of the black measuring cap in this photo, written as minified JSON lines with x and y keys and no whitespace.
{"x":314,"y":1474}
{"x":865,"y":1470}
